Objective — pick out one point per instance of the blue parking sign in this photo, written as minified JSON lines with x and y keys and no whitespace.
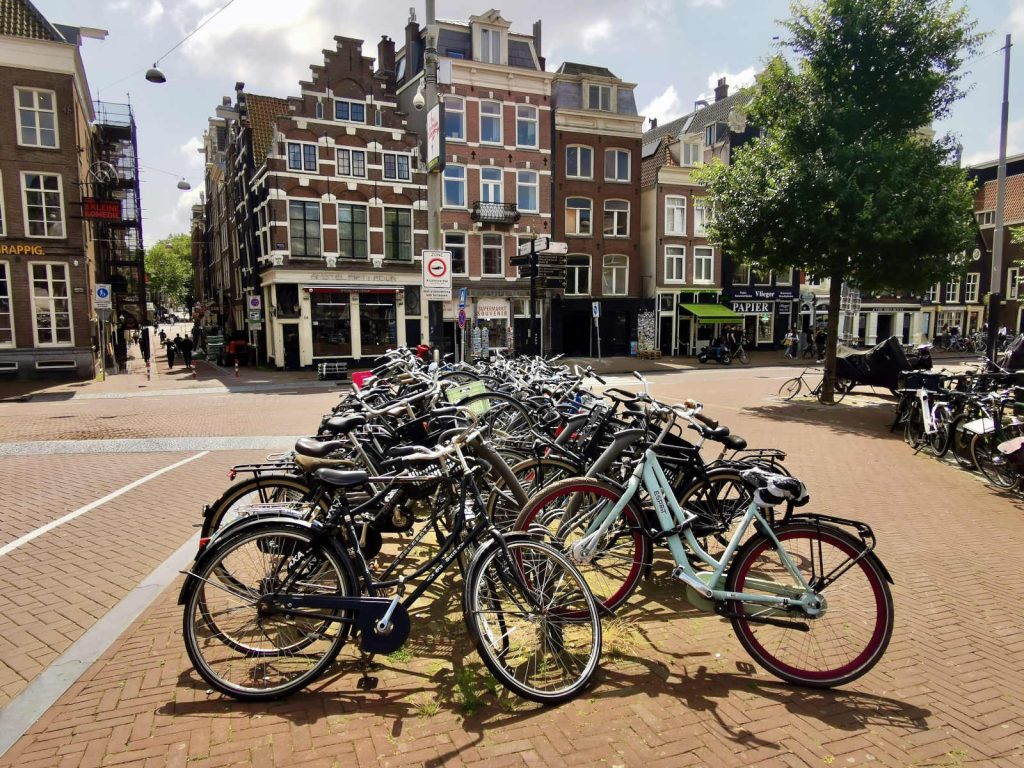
{"x":462,"y":297}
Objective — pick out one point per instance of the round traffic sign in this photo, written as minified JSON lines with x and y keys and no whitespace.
{"x":255,"y":302}
{"x":436,"y":267}
{"x":102,"y":292}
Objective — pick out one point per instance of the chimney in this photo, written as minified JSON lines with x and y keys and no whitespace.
{"x":698,"y":104}
{"x":386,"y":62}
{"x":654,"y":123}
{"x":722,"y":90}
{"x":537,"y":43}
{"x":413,"y":47}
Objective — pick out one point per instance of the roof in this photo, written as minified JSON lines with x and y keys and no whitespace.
{"x":572,"y":68}
{"x":696,"y":121}
{"x":19,"y":18}
{"x":1013,"y":202}
{"x":262,"y":112}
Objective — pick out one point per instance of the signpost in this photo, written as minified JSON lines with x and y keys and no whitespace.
{"x":596,"y":309}
{"x":437,"y":275}
{"x":103,"y":302}
{"x":540,"y":258}
{"x":463,"y":296}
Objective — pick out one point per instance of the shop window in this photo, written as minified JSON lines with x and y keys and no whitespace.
{"x":331,"y":315}
{"x":378,"y":327}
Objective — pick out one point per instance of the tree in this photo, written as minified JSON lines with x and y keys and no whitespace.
{"x":844,"y":180}
{"x":169,"y":268}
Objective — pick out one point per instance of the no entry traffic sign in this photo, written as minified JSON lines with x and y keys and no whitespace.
{"x":437,"y":275}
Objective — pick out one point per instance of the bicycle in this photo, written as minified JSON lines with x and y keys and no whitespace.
{"x":792,"y":387}
{"x":790,"y":588}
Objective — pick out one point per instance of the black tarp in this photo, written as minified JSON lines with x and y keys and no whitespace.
{"x":880,"y":366}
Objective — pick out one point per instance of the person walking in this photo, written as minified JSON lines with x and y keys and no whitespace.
{"x":171,"y":351}
{"x":819,"y":342}
{"x":790,"y":343}
{"x":185,"y":347}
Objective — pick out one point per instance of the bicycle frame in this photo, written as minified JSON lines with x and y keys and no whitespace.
{"x":675,"y":522}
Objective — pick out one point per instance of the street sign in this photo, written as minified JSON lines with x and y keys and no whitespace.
{"x":556,"y":248}
{"x":463,"y":295}
{"x":520,"y":261}
{"x":255,"y":302}
{"x":255,"y":316}
{"x":437,"y":275}
{"x":103,"y":298}
{"x":462,"y":318}
{"x":554,"y":283}
{"x":104,"y":314}
{"x":534,"y":246}
{"x":596,"y":308}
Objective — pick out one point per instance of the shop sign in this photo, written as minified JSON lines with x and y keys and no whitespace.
{"x":768,"y":293}
{"x":22,"y":250}
{"x":751,"y":307}
{"x":108,"y":210}
{"x":492,"y":309}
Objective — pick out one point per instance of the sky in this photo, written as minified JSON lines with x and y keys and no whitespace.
{"x":673,"y":50}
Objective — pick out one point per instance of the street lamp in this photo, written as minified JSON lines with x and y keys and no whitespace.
{"x":155,"y":75}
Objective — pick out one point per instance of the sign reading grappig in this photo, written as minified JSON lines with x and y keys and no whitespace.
{"x":437,"y":275}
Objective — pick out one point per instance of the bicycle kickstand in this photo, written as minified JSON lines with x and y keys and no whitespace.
{"x":366,"y":682}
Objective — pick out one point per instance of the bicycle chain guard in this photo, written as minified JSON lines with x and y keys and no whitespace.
{"x":372,"y":610}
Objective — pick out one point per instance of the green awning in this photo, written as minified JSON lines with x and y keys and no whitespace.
{"x":712,"y":312}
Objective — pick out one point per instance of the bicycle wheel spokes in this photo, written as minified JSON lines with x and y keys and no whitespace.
{"x":250,"y":653}
{"x":535,"y":621}
{"x":789,"y":389}
{"x":849,"y":634}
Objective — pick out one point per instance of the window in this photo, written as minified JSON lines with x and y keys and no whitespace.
{"x":490,"y":185}
{"x":352,"y":162}
{"x":490,"y":46}
{"x":692,"y":153}
{"x":970,"y":288}
{"x":578,"y":216}
{"x":616,"y":218}
{"x":616,"y":165}
{"x":932,"y":294}
{"x":675,"y":215}
{"x":378,"y":327}
{"x":37,"y":118}
{"x":318,"y":110}
{"x":456,"y":243}
{"x":493,"y":262}
{"x":675,"y":264}
{"x":665,"y":303}
{"x":710,"y":135}
{"x":526,"y":126}
{"x":613,"y":275}
{"x":6,"y":324}
{"x":986,"y":218}
{"x":304,"y":228}
{"x":785,"y":277}
{"x":331,"y":314}
{"x":811,"y":280}
{"x":700,"y":218}
{"x":349,"y":111}
{"x":577,"y":275}
{"x":741,"y":276}
{"x":762,"y":278}
{"x":526,"y":191}
{"x":454,"y":186}
{"x":397,"y":234}
{"x":703,"y":264}
{"x":302,"y":157}
{"x":579,"y":162}
{"x":454,"y":118}
{"x":599,"y":97}
{"x":953,"y":291}
{"x":490,"y":122}
{"x":51,"y":304}
{"x":396,"y":167}
{"x":44,"y":204}
{"x":352,"y":231}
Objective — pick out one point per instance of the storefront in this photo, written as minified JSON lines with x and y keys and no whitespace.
{"x":907,"y":322}
{"x":699,"y":324}
{"x":768,"y":313}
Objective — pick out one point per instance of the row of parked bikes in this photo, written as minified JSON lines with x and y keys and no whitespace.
{"x":550,"y":500}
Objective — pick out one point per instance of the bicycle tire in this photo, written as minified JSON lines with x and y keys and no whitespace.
{"x":913,"y":429}
{"x":265,"y":489}
{"x":790,"y":389}
{"x":504,"y":419}
{"x":939,"y":441}
{"x":960,"y":441}
{"x":742,"y":356}
{"x":983,"y":453}
{"x":848,"y":641}
{"x":458,"y":377}
{"x":286,"y":640}
{"x":533,"y":475}
{"x":560,"y":643}
{"x":615,"y":570}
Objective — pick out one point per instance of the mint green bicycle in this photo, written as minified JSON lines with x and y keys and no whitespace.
{"x":809,"y":601}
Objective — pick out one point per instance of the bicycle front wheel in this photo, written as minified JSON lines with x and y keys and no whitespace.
{"x":249,"y":653}
{"x":534,"y":620}
{"x":990,"y":463}
{"x":849,"y":634}
{"x":790,"y":389}
{"x":742,"y":356}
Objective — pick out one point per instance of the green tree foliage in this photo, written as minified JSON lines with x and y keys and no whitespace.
{"x":845,"y":181}
{"x":169,"y":267}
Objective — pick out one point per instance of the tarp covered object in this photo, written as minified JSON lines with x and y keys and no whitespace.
{"x":880,"y":366}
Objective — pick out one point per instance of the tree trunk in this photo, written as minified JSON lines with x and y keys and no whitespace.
{"x":835,"y":292}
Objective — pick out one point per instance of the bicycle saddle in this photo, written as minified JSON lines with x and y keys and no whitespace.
{"x":341,"y":425}
{"x":310,"y":446}
{"x":733,"y":442}
{"x":771,"y":489}
{"x":342,"y":478}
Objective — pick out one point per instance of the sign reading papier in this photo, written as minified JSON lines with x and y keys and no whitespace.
{"x":437,"y":275}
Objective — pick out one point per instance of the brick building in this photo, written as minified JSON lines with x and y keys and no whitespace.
{"x":597,"y":207}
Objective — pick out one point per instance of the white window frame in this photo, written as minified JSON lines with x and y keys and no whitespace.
{"x":490,"y":45}
{"x":464,"y":245}
{"x":5,"y":273}
{"x":691,"y":154}
{"x":617,"y":290}
{"x":629,"y":165}
{"x":302,"y":156}
{"x":767,"y":277}
{"x":350,"y":103}
{"x":489,"y":186}
{"x":986,"y":218}
{"x":674,"y":203}
{"x":700,"y":217}
{"x":601,"y":88}
{"x":452,"y":110}
{"x":499,"y":117}
{"x":741,"y":275}
{"x":619,"y":216}
{"x":675,"y":257}
{"x":579,"y":150}
{"x":590,"y":218}
{"x":703,"y":254}
{"x":318,"y":203}
{"x":36,"y":111}
{"x":953,"y":291}
{"x":932,"y":294}
{"x":788,"y":280}
{"x":398,"y":171}
{"x":445,"y":180}
{"x":484,"y":247}
{"x":523,"y":115}
{"x":971,"y":286}
{"x":49,"y":300}
{"x":536,"y":190}
{"x":24,"y":205}
{"x":574,"y":284}
{"x":351,"y":152}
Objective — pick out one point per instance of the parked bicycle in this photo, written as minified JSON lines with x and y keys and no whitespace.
{"x":793,"y":387}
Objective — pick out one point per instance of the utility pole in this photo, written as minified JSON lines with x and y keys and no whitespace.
{"x":435,"y":310}
{"x":995,"y":297}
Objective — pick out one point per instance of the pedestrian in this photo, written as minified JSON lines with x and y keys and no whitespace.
{"x":801,"y":343}
{"x":820,"y":338}
{"x":185,"y":347}
{"x":790,"y":343}
{"x":171,"y":350}
{"x":163,"y":337}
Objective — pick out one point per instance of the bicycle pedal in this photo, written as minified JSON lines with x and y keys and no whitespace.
{"x":367,"y":683}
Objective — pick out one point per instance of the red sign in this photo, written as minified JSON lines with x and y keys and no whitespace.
{"x":101,"y":209}
{"x":437,"y":267}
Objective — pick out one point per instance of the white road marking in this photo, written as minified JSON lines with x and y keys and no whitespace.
{"x":8,"y":548}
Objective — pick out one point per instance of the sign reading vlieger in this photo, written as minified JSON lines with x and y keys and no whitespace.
{"x":766,"y":294}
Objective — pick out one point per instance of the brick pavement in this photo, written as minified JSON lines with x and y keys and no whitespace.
{"x":684,"y":693}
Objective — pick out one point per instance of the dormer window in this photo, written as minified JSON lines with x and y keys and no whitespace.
{"x":599,"y":97}
{"x":490,"y":46}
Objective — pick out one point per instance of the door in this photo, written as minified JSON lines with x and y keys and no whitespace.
{"x":291,"y":346}
{"x":683,"y":338}
{"x":884,"y":328}
{"x":666,"y":336}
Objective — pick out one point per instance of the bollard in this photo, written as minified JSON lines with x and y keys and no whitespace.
{"x":194,"y":371}
{"x":149,"y":372}
{"x":236,"y":367}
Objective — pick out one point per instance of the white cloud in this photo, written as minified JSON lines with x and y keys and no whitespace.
{"x":1016,"y":19}
{"x":707,"y":3}
{"x":665,"y":107}
{"x":1014,"y":144}
{"x":154,"y":14}
{"x":595,"y":33}
{"x":190,"y":149}
{"x":735,"y":81}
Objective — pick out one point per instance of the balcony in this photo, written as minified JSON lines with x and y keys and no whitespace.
{"x":494,"y":213}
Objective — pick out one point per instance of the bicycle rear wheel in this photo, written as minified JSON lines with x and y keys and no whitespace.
{"x":850,"y":634}
{"x":790,"y":389}
{"x":990,"y":463}
{"x":265,"y":489}
{"x":534,"y":620}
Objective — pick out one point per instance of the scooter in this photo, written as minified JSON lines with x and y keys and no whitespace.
{"x":719,"y":353}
